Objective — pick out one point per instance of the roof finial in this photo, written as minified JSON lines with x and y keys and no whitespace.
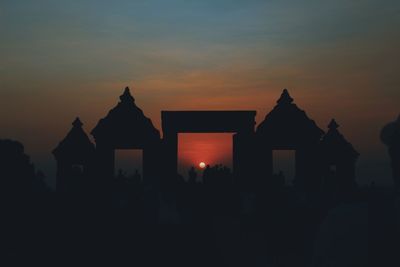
{"x":285,"y":98}
{"x":333,"y":125}
{"x":126,"y":96}
{"x":77,"y":123}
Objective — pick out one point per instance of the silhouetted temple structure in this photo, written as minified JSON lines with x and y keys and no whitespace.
{"x":338,"y":159}
{"x":239,"y":122}
{"x":287,"y":127}
{"x":320,"y":158}
{"x":75,"y":156}
{"x":126,"y":127}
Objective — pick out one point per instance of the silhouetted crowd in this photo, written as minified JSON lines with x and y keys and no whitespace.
{"x":204,"y":221}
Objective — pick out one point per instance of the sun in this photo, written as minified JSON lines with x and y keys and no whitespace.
{"x":202,"y":165}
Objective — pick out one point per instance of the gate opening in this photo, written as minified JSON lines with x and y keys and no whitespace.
{"x":202,"y":149}
{"x":128,"y":162}
{"x":284,"y":163}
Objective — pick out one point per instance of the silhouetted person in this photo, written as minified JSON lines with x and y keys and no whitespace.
{"x":390,"y":136}
{"x":192,"y":175}
{"x":137,"y":177}
{"x":121,"y":175}
{"x":206,"y":174}
{"x":40,"y":184}
{"x":281,"y":178}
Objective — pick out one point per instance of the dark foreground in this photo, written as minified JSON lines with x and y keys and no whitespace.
{"x":194,"y":225}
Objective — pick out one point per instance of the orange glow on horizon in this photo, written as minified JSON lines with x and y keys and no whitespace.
{"x":201,"y":149}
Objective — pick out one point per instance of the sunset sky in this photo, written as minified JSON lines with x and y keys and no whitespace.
{"x":62,"y":59}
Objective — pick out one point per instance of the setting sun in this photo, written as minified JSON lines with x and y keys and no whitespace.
{"x":202,"y":165}
{"x":209,"y":148}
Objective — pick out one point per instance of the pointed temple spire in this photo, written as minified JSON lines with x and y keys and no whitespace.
{"x":333,"y":125}
{"x":76,"y":143}
{"x":285,"y":98}
{"x":335,"y":142}
{"x":126,"y":97}
{"x":125,"y":123}
{"x":286,"y":122}
{"x":77,"y":123}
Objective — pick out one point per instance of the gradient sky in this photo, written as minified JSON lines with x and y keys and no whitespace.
{"x":210,"y":148}
{"x":60,"y":59}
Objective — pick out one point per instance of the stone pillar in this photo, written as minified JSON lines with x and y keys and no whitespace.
{"x":105,"y":163}
{"x":170,"y":154}
{"x":308,"y":170}
{"x":153,"y":167}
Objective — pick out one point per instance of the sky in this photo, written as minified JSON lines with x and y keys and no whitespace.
{"x":209,"y":148}
{"x":62,"y":59}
